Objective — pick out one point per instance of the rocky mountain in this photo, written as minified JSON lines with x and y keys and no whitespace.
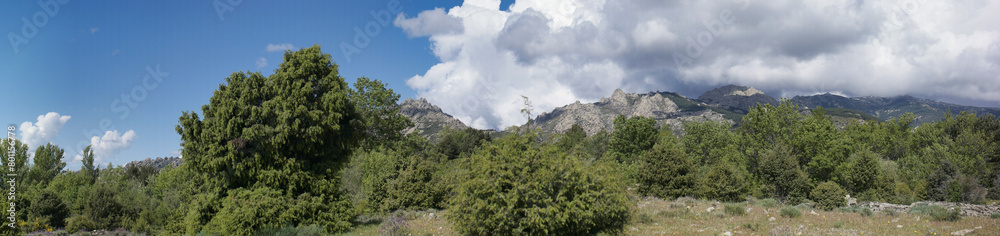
{"x":885,"y":108}
{"x":736,"y":98}
{"x":427,"y":118}
{"x":664,"y":107}
{"x":158,"y":163}
{"x":727,"y":104}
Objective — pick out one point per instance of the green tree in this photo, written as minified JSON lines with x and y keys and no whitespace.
{"x":516,"y":187}
{"x":710,"y":142}
{"x":667,"y":171}
{"x":574,"y":135}
{"x":88,"y":169}
{"x":291,"y":130}
{"x":380,"y":121}
{"x":456,"y":143}
{"x":632,"y":137}
{"x":104,"y":209}
{"x":828,"y":196}
{"x":49,"y":208}
{"x":780,"y":169}
{"x":723,"y":181}
{"x":417,"y":186}
{"x":47,"y":164}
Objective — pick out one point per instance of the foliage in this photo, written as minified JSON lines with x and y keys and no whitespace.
{"x":632,"y":137}
{"x":517,"y":187}
{"x":103,"y":208}
{"x":790,"y":212}
{"x":828,"y":196}
{"x":291,"y":129}
{"x":724,"y":182}
{"x":49,"y":209}
{"x":457,"y":143}
{"x":79,"y":222}
{"x":667,"y":171}
{"x":779,"y":168}
{"x":380,"y":121}
{"x":573,"y":136}
{"x":710,"y":142}
{"x":415,"y":187}
{"x":47,"y":164}
{"x":863,"y":172}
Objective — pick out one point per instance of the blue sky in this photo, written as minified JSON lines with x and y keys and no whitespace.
{"x":67,"y":70}
{"x":87,"y":55}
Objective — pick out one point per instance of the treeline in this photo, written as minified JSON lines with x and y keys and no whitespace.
{"x":301,"y":152}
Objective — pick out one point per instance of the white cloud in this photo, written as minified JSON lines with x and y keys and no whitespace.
{"x":44,"y":130}
{"x":110,"y":144}
{"x":557,"y":52}
{"x":432,"y":22}
{"x":279,"y":47}
{"x":94,"y":30}
{"x":261,"y":62}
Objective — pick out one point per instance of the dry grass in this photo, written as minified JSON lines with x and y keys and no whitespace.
{"x":691,"y":217}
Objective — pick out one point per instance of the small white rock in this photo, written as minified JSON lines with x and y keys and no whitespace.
{"x":771,"y":219}
{"x":727,"y":233}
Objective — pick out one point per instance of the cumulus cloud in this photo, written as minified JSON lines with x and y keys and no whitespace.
{"x":278,"y":47}
{"x":261,"y":62}
{"x":44,"y":130}
{"x":558,"y":52}
{"x":432,"y":22}
{"x":110,"y":144}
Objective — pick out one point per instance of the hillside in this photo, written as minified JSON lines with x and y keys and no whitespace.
{"x":885,"y":108}
{"x":593,"y":117}
{"x":727,"y":103}
{"x":427,"y":118}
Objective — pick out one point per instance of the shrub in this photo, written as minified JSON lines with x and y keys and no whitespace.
{"x":47,"y":207}
{"x":828,"y":196}
{"x":243,"y":211}
{"x":790,"y":212}
{"x":79,"y":222}
{"x":104,"y":209}
{"x":753,"y":227}
{"x":515,"y":187}
{"x":769,"y":203}
{"x":734,"y":209}
{"x":301,"y":230}
{"x":942,"y":214}
{"x":723,"y":181}
{"x":676,"y":213}
{"x":995,"y":216}
{"x":415,"y":188}
{"x":668,"y":172}
{"x":936,"y":212}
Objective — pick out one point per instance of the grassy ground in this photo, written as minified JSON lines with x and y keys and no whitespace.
{"x":687,"y":216}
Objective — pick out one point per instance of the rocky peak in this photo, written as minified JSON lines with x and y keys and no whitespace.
{"x":593,"y":117}
{"x":736,"y":98}
{"x":427,"y":118}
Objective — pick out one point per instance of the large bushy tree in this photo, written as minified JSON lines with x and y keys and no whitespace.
{"x":291,"y":130}
{"x":516,"y":187}
{"x":631,"y":137}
